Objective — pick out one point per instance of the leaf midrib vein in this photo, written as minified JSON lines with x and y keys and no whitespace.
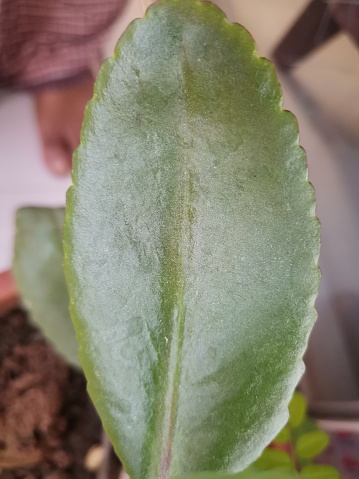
{"x":182,"y":209}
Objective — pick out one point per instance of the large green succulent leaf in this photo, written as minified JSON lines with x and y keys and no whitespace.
{"x":39,"y":275}
{"x":190,"y":246}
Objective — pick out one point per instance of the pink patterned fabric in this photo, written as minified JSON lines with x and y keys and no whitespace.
{"x":47,"y":41}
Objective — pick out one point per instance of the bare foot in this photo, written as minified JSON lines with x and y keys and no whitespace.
{"x":60,"y":113}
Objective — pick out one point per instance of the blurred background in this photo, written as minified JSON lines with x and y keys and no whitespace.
{"x":318,"y":67}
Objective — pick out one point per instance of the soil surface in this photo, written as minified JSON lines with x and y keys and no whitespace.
{"x":47,"y":421}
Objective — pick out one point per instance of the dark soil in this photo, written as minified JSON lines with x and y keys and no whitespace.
{"x":47,"y":421}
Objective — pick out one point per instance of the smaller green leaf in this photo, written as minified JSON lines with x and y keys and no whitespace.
{"x":283,"y":436}
{"x":38,"y":272}
{"x":278,"y":473}
{"x":311,"y":444}
{"x":319,"y":472}
{"x":297,"y":409}
{"x":272,"y":458}
{"x":250,"y":473}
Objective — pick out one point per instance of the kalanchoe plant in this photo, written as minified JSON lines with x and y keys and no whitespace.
{"x":191,"y":246}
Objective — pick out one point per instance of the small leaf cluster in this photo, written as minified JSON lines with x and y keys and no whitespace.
{"x":293,"y":451}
